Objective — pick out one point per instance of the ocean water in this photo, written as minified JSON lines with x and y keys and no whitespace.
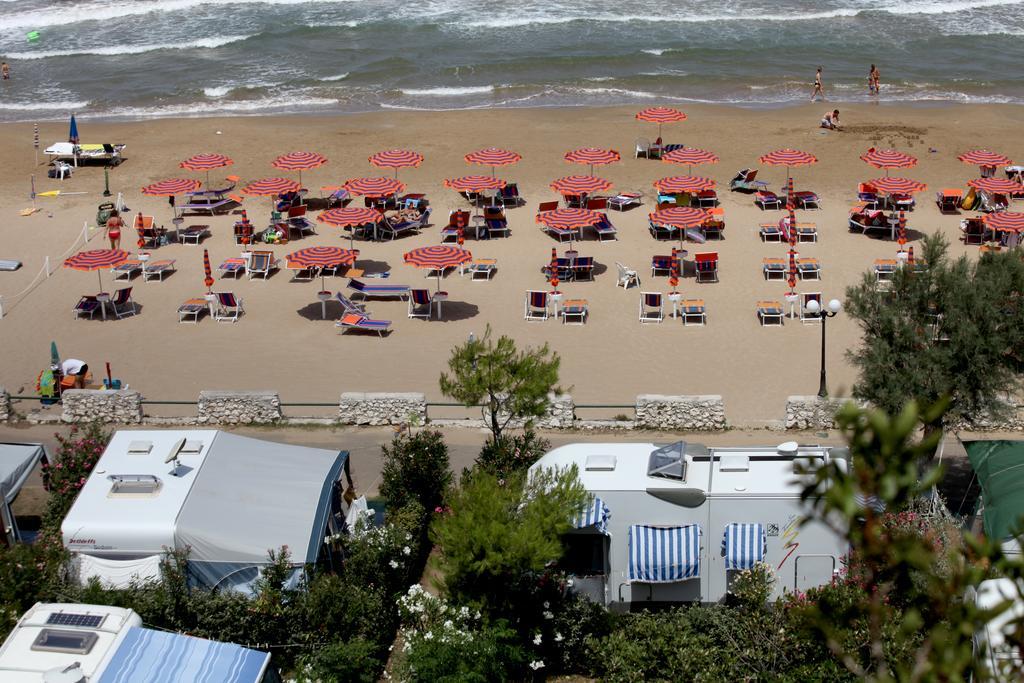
{"x":151,"y":58}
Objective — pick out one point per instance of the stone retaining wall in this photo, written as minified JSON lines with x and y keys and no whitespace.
{"x":560,"y":413}
{"x":812,"y":412}
{"x":1011,"y":419}
{"x":361,"y":408}
{"x":88,"y":405}
{"x":239,"y":407}
{"x":702,"y":413}
{"x":5,"y":405}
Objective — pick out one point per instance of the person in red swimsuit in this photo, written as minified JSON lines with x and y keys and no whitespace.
{"x":114,"y":225}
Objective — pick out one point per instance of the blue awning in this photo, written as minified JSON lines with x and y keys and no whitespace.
{"x":664,"y":554}
{"x":595,"y":514}
{"x":743,"y":545}
{"x":161,"y":657}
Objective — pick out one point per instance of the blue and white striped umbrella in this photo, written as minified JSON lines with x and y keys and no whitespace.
{"x":664,"y":554}
{"x":743,"y":545}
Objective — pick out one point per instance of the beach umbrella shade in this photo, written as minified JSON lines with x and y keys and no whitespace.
{"x":580,"y":184}
{"x":683,"y":183}
{"x":1005,"y":221}
{"x":73,"y":131}
{"x":322,"y":257}
{"x":493,"y":156}
{"x":374,"y":188}
{"x":438,"y":257}
{"x":897,"y":185}
{"x":887,"y":159}
{"x":569,"y":219}
{"x":690,"y":156}
{"x":351,"y":217}
{"x":984,"y":157}
{"x":660,"y":116}
{"x":299,"y":161}
{"x":98,"y":260}
{"x":790,"y":158}
{"x":206,"y":162}
{"x":207,"y":271}
{"x":171,"y":187}
{"x":271,"y":187}
{"x":995,"y":185}
{"x":396,"y":159}
{"x":680,"y":217}
{"x":593,"y":156}
{"x":475,"y":183}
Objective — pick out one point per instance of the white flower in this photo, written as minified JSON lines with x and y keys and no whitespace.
{"x":548,"y":615}
{"x":477,"y":615}
{"x":448,"y":623}
{"x":394,"y":565}
{"x":429,"y":635}
{"x":570,"y":583}
{"x":406,"y":550}
{"x":558,"y":637}
{"x":464,"y":612}
{"x":536,"y":664}
{"x":547,"y":604}
{"x":537,"y":639}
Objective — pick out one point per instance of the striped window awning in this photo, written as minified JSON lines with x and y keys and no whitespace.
{"x":664,"y":554}
{"x":595,"y":514}
{"x":744,"y":545}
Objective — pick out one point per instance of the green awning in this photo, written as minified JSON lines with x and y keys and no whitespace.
{"x":1000,"y":469}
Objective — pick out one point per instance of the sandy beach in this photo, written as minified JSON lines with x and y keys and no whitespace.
{"x":282,"y":343}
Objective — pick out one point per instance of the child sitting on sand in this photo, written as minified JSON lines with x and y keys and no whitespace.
{"x":831,"y":120}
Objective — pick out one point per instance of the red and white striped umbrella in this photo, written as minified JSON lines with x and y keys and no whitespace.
{"x":438,"y":257}
{"x":888,"y":158}
{"x":350,"y":216}
{"x":593,"y":156}
{"x":396,"y":159}
{"x":996,"y":185}
{"x":660,"y":116}
{"x":96,"y":259}
{"x":580,"y":184}
{"x":493,"y":156}
{"x":681,"y":217}
{"x":690,"y":156}
{"x":984,"y":157}
{"x":789,"y":158}
{"x":568,"y":219}
{"x":683,"y":183}
{"x":299,"y":161}
{"x":171,"y":187}
{"x":896,"y":185}
{"x":206,"y":162}
{"x":375,"y":188}
{"x":271,"y":187}
{"x":1005,"y":221}
{"x":474,"y":183}
{"x":322,"y":257}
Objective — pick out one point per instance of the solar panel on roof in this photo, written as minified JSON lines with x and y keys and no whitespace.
{"x":72,"y":619}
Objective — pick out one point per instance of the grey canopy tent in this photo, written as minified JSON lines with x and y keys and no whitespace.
{"x":17,"y":460}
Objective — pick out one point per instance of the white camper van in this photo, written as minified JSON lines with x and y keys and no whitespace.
{"x":674,"y":523}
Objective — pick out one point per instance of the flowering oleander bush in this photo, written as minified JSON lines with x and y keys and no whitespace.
{"x":752,"y":587}
{"x":76,"y":456}
{"x":416,"y":469}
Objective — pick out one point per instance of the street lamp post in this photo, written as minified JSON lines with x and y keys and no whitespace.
{"x":813,"y":307}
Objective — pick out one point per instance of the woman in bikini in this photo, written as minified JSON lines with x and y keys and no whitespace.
{"x":873,"y":80}
{"x":114,"y":225}
{"x":818,"y":90}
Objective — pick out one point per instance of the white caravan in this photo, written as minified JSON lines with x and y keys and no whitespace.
{"x":674,"y":523}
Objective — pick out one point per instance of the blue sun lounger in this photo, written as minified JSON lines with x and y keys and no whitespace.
{"x":354,"y":321}
{"x":379,"y":291}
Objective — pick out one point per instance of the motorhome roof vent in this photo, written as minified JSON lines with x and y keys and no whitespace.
{"x":600,"y":463}
{"x":134,"y":484}
{"x":734,"y":463}
{"x":66,"y":642}
{"x":192,"y":447}
{"x":140,"y":447}
{"x":788,"y":448}
{"x":668,"y":462}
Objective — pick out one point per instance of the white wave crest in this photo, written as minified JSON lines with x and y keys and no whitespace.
{"x":338,"y":77}
{"x":37,"y":106}
{"x":448,"y":92}
{"x":115,"y":50}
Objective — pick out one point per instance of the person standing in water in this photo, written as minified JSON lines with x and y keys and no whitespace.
{"x":818,"y":90}
{"x":873,"y":80}
{"x":5,"y":71}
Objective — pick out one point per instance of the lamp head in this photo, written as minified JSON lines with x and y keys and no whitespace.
{"x":835,"y":305}
{"x":813,"y":306}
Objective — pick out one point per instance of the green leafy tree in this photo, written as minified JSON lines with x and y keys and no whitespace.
{"x":954,"y":328}
{"x":510,"y":384}
{"x":416,"y":470}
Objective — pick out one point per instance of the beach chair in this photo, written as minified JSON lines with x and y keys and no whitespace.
{"x":193,"y":234}
{"x":627,"y":276}
{"x":663,"y":264}
{"x":770,"y":232}
{"x":714,"y":226}
{"x":509,"y":196}
{"x":349,"y":306}
{"x":481,"y":269}
{"x":693,"y":312}
{"x":705,"y":199}
{"x":583,"y":268}
{"x":902,"y":202}
{"x":299,"y":223}
{"x":645,"y":149}
{"x":232,"y":266}
{"x":806,"y":200}
{"x":661,"y":232}
{"x":86,"y":305}
{"x":378,"y":291}
{"x":421,"y":305}
{"x":707,"y":266}
{"x":806,"y":232}
{"x":624,"y":200}
{"x":261,"y":263}
{"x":805,"y":315}
{"x":884,"y":270}
{"x":575,"y":201}
{"x":575,"y":312}
{"x":765,"y":200}
{"x":746,"y":181}
{"x":457,"y":220}
{"x":536,"y":307}
{"x":774,"y":268}
{"x":335,"y":197}
{"x":974,"y":230}
{"x":192,"y":309}
{"x":651,"y":307}
{"x":497,"y":227}
{"x":868,"y":194}
{"x":769,"y":313}
{"x":227,"y":307}
{"x":127,"y":270}
{"x":157,"y":269}
{"x":808,"y":268}
{"x":948,"y":200}
{"x":562,"y":267}
{"x":605,"y":230}
{"x":354,"y":321}
{"x":546,"y":206}
{"x":122,"y":303}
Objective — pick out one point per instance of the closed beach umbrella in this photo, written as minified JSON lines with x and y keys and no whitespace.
{"x":553,"y":268}
{"x":580,"y":184}
{"x":98,"y":260}
{"x":493,"y":156}
{"x":171,"y":187}
{"x":660,"y":116}
{"x":299,"y":161}
{"x":888,"y":158}
{"x":206,"y":162}
{"x":790,"y":158}
{"x":896,"y":185}
{"x":1005,"y":221}
{"x":792,"y":228}
{"x":396,"y":159}
{"x":683,"y":183}
{"x":351,"y":217}
{"x":270,"y":187}
{"x":322,"y":257}
{"x":593,"y":156}
{"x":73,"y":131}
{"x":438,"y":257}
{"x":791,"y":278}
{"x":207,"y":271}
{"x":690,"y":156}
{"x":902,"y":234}
{"x":984,"y":157}
{"x":374,"y":188}
{"x":995,"y":185}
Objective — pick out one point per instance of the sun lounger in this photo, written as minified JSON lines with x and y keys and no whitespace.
{"x":349,"y":306}
{"x":583,"y":268}
{"x":561,"y":234}
{"x":806,"y":232}
{"x":774,"y":268}
{"x":379,"y":291}
{"x":806,"y":316}
{"x":193,"y":234}
{"x":974,"y":230}
{"x":869,"y":219}
{"x":421,"y":304}
{"x":627,"y":276}
{"x":157,"y":269}
{"x":770,"y":232}
{"x":575,"y":309}
{"x":769,"y":313}
{"x":806,"y":200}
{"x":261,"y":263}
{"x":808,"y":268}
{"x":546,"y":206}
{"x":706,"y":199}
{"x":868,"y":194}
{"x":481,"y":269}
{"x":457,"y":220}
{"x":232,"y":266}
{"x":192,"y":309}
{"x":227,"y":307}
{"x":624,"y":200}
{"x":497,"y":227}
{"x":354,"y":321}
{"x":605,"y":230}
{"x":663,"y":264}
{"x":85,"y":152}
{"x":693,"y":312}
{"x":767,"y":200}
{"x":948,"y":200}
{"x":746,"y":181}
{"x":87,"y":305}
{"x":122,"y":303}
{"x":661,"y":232}
{"x":991,"y":202}
{"x":302,"y":273}
{"x":536,"y":305}
{"x":127,"y":270}
{"x":211,"y":207}
{"x":714,"y":226}
{"x":509,"y":196}
{"x":562,"y":267}
{"x":902,"y":202}
{"x":651,"y":308}
{"x":393,"y":230}
{"x":707,"y":266}
{"x":885,"y":270}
